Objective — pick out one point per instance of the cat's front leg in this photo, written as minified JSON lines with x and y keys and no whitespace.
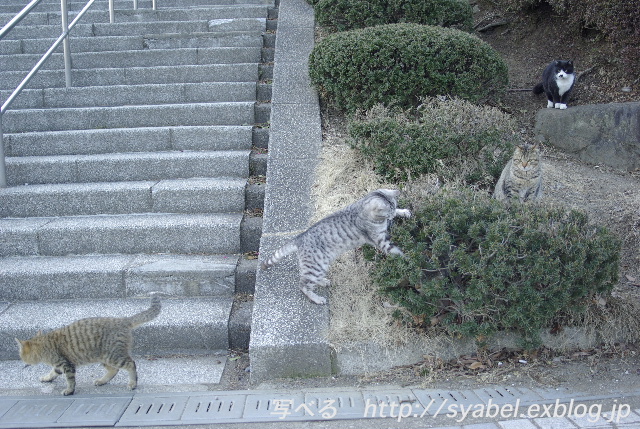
{"x":403,"y":213}
{"x":384,"y":244}
{"x":55,"y":372}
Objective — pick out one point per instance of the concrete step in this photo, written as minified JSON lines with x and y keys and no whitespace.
{"x":54,"y":6}
{"x":128,"y":234}
{"x":173,"y":115}
{"x":199,"y":323}
{"x":85,"y":142}
{"x":247,"y":10}
{"x":136,"y":166}
{"x":201,"y":195}
{"x":121,"y":95}
{"x":256,"y":25}
{"x":136,"y":42}
{"x":138,"y":58}
{"x":112,"y":276}
{"x":248,"y":72}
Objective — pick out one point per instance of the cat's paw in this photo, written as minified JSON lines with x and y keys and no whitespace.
{"x":47,"y":379}
{"x":132,"y":385}
{"x":396,"y":251}
{"x":403,"y":213}
{"x":67,"y":392}
{"x":316,"y":299}
{"x":99,"y":382}
{"x":324,"y":283}
{"x":560,"y":106}
{"x":549,"y":104}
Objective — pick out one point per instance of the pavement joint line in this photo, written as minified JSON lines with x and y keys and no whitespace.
{"x":300,"y":405}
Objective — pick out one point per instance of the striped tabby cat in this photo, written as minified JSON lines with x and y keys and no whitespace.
{"x":95,"y":339}
{"x":522,"y":176}
{"x":365,"y":221}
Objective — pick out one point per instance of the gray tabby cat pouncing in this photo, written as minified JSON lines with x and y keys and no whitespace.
{"x":364,"y":222}
{"x":95,"y":339}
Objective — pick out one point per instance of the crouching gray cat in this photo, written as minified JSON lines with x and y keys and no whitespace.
{"x":364,"y":222}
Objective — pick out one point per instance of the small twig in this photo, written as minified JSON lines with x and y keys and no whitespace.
{"x":589,"y":70}
{"x":493,"y":25}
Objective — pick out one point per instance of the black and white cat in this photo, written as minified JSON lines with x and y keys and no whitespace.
{"x":557,"y":82}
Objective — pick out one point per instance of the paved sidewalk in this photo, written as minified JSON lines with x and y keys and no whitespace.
{"x":491,"y":407}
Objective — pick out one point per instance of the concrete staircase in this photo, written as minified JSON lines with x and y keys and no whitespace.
{"x":144,"y":176}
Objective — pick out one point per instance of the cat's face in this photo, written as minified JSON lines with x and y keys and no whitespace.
{"x":527,"y":156}
{"x":27,"y":352}
{"x":563,"y":69}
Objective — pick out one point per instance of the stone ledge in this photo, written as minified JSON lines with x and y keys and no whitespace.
{"x":288,"y":337}
{"x":606,"y":134}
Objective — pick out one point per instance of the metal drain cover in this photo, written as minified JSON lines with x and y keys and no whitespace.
{"x":213,"y":409}
{"x":95,"y":411}
{"x":35,"y":413}
{"x":149,"y":410}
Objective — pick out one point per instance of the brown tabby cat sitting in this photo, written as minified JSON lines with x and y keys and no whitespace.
{"x":96,"y":339}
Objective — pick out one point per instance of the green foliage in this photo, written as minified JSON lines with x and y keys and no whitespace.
{"x":475,"y":266}
{"x":400,"y":63}
{"x":451,"y":137}
{"x":344,"y":15}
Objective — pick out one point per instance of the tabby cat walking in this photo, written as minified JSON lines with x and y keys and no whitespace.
{"x":96,"y":339}
{"x":364,"y":222}
{"x":521,"y":178}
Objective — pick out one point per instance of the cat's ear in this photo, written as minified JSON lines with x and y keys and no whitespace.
{"x":391,"y":193}
{"x":19,"y":344}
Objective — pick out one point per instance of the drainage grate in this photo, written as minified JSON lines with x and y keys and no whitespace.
{"x":103,"y":411}
{"x":213,"y":409}
{"x":35,"y":413}
{"x":5,"y":405}
{"x":436,"y":402}
{"x":333,"y":406}
{"x":147,"y":410}
{"x":509,"y":395}
{"x":386,"y":404}
{"x":275,"y":407}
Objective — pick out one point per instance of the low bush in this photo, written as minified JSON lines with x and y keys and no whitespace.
{"x":399,"y":63}
{"x":453,"y":138}
{"x":474,"y":266}
{"x":344,"y":15}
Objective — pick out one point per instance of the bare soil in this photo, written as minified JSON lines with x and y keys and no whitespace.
{"x":528,"y":42}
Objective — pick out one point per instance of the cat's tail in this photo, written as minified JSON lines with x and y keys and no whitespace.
{"x":277,"y":256}
{"x":147,"y":315}
{"x":539,"y":88}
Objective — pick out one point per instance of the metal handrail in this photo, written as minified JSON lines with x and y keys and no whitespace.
{"x":64,"y":39}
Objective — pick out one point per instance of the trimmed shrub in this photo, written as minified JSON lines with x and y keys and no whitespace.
{"x":474,"y":266}
{"x":453,"y":138}
{"x":344,"y":15}
{"x":400,"y":63}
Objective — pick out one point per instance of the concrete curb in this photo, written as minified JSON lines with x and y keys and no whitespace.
{"x":289,"y":332}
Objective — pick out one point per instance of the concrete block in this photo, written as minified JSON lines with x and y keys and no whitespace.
{"x":240,"y":325}
{"x":199,"y":195}
{"x":149,"y":233}
{"x":182,"y":275}
{"x":221,"y":137}
{"x":40,"y":278}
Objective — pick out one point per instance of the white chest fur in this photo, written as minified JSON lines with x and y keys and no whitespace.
{"x":564,"y":82}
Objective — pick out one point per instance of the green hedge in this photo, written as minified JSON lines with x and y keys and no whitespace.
{"x":344,"y":15}
{"x":475,"y":266}
{"x":400,"y":63}
{"x":453,"y":138}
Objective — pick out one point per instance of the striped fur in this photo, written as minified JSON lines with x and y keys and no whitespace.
{"x":97,"y":339}
{"x":364,"y":222}
{"x":521,"y":178}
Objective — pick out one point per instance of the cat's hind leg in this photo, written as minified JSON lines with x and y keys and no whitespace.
{"x":308,"y":289}
{"x":130,"y":366}
{"x":111,"y":372}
